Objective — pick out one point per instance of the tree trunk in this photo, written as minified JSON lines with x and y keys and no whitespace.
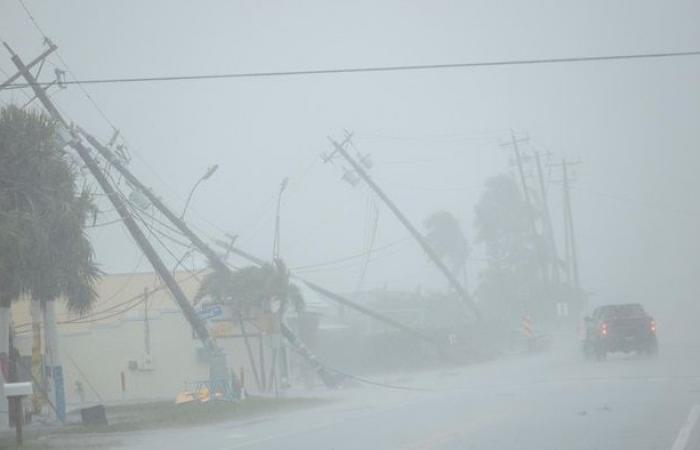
{"x":251,"y":358}
{"x":5,"y":318}
{"x":37,"y":363}
{"x":53,"y":363}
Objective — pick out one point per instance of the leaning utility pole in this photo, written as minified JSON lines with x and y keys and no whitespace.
{"x":213,"y":258}
{"x":73,"y":139}
{"x":344,"y":301}
{"x":521,"y":173}
{"x":216,"y":261}
{"x":549,"y":230}
{"x":340,"y":148}
{"x":528,"y":200}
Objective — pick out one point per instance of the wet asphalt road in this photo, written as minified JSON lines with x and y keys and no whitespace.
{"x":552,"y":400}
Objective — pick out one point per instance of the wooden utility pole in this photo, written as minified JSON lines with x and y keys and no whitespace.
{"x":521,"y":173}
{"x":343,"y":301}
{"x":570,"y":225}
{"x":213,"y":258}
{"x":409,"y":226}
{"x":73,"y":139}
{"x":528,"y":200}
{"x":549,"y":230}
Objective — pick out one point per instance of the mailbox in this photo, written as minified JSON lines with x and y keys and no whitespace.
{"x":18,"y":389}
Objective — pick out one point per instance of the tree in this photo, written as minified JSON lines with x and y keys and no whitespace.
{"x":253,"y":290}
{"x":44,"y":251}
{"x":445,"y":237}
{"x":510,"y":286}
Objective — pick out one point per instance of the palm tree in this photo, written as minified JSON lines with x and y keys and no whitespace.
{"x":503,"y":225}
{"x":44,"y":251}
{"x":253,"y":290}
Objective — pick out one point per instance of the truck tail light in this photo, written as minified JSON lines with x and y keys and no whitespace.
{"x":604,"y":329}
{"x":652,"y":326}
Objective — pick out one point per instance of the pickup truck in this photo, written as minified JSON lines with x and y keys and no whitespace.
{"x":619,"y":328}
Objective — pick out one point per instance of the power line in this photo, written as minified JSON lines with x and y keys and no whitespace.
{"x":350,"y":258}
{"x":104,"y":224}
{"x":99,"y":110}
{"x":350,"y":70}
{"x":31,"y":17}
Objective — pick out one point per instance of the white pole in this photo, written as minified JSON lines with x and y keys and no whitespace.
{"x":5,"y":318}
{"x":54,"y":365}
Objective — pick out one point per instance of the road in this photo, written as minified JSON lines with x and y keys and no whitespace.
{"x":551,"y":400}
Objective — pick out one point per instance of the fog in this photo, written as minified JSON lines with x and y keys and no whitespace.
{"x":434,"y":136}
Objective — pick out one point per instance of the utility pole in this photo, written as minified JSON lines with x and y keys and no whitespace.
{"x":549,"y":230}
{"x":570,"y":225}
{"x":526,"y":196}
{"x":521,"y":172}
{"x":213,"y":258}
{"x":342,"y":300}
{"x":340,"y":148}
{"x":73,"y":139}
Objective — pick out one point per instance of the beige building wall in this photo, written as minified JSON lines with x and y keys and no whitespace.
{"x":97,"y":348}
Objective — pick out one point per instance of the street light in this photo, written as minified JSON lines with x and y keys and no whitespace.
{"x":210,"y":172}
{"x":276,"y":243}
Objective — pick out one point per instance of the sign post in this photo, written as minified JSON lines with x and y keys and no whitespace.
{"x":14,"y":393}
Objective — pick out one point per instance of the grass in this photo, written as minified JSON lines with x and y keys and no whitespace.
{"x":151,"y":416}
{"x":168,"y":415}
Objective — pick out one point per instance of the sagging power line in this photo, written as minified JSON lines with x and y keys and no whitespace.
{"x":372,"y":69}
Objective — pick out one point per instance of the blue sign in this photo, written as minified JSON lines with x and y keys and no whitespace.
{"x":210,"y":311}
{"x":60,"y":392}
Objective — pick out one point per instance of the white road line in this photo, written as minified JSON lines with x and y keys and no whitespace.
{"x":684,"y":434}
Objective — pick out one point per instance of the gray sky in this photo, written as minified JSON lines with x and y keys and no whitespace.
{"x":434,"y":135}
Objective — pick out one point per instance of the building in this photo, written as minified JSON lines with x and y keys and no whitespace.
{"x":135,"y":345}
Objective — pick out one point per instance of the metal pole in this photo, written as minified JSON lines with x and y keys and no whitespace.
{"x":276,"y":241}
{"x":189,"y":198}
{"x":206,"y":176}
{"x":409,"y":226}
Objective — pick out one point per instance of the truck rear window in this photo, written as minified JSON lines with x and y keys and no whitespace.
{"x":632,"y":310}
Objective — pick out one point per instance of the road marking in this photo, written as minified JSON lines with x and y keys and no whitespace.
{"x":683,"y":435}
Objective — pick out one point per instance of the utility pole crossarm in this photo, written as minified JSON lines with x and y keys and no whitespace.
{"x":409,"y":226}
{"x":28,"y":66}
